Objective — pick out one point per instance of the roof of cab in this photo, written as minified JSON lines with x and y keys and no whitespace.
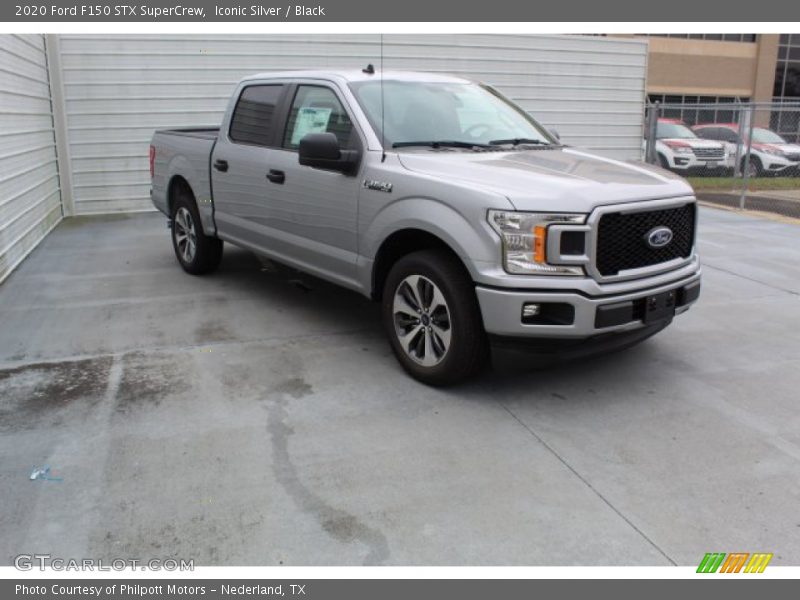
{"x":350,"y":75}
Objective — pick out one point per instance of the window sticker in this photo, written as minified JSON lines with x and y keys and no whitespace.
{"x":310,"y":120}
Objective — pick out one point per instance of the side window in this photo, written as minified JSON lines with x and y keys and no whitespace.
{"x":316,"y":109}
{"x":254,"y":113}
{"x":728,"y":135}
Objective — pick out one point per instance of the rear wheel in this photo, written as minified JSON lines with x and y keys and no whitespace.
{"x":431,"y":315}
{"x":196,"y":252}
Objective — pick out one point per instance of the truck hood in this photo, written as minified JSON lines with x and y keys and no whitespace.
{"x":549,"y":179}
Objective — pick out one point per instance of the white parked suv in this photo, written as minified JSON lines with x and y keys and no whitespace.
{"x":769,"y":154}
{"x":679,"y":149}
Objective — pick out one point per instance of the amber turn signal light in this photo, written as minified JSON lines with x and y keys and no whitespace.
{"x":539,"y":243}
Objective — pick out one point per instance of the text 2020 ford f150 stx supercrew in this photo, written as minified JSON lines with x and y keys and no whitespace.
{"x":442,"y":200}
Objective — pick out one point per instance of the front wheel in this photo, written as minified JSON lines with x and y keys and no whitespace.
{"x":754,"y":167}
{"x":431,"y":315}
{"x":196,"y":252}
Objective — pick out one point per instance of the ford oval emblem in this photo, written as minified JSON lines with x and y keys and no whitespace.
{"x":658,"y":237}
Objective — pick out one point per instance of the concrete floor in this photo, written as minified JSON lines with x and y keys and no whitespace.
{"x":246,"y":419}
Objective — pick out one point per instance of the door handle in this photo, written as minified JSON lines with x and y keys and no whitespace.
{"x":221,"y":165}
{"x":276,"y":176}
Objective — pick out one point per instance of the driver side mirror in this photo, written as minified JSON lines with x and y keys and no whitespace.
{"x":322,"y":151}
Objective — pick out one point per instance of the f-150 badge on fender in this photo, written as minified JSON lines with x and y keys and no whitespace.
{"x":378,"y":186}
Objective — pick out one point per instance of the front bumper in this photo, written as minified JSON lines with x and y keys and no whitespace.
{"x":687,"y":162}
{"x":777,"y":164}
{"x":591,"y":315}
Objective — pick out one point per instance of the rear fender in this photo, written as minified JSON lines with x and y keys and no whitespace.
{"x":180,"y":166}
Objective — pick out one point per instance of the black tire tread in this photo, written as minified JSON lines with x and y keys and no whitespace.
{"x":469,"y":351}
{"x":209,"y":249}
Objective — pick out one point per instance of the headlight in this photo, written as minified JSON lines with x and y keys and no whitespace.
{"x":524,"y":237}
{"x":679,"y":147}
{"x":775,"y":151}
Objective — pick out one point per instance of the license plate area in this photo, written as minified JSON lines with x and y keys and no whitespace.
{"x":648,"y":309}
{"x":659,"y":307}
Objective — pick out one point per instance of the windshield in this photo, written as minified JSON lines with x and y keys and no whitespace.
{"x":765,"y":136}
{"x":465,"y":113}
{"x":673,"y":131}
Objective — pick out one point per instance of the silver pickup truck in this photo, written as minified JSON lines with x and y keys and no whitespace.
{"x":469,"y":222}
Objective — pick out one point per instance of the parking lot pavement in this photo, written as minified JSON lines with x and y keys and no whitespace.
{"x":256,"y":416}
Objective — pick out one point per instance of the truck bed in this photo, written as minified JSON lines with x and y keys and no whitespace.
{"x":205,"y":133}
{"x":191,"y":148}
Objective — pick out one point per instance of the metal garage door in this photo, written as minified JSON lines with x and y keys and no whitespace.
{"x":119,"y":89}
{"x":30,"y":203}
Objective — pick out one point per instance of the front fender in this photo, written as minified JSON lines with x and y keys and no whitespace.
{"x":467,"y":233}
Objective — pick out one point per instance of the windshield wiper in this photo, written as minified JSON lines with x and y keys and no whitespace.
{"x":441,"y":144}
{"x":518,"y":141}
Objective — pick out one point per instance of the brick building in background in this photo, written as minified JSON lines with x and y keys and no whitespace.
{"x":723,"y":69}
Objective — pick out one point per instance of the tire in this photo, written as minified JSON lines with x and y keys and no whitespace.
{"x":662,"y":160}
{"x":446,"y":342}
{"x":196,"y":252}
{"x":757,"y":167}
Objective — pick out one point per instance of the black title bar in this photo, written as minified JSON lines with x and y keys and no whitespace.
{"x":710,"y":586}
{"x":406,"y":11}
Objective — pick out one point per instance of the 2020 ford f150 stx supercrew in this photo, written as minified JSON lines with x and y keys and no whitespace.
{"x":438,"y":197}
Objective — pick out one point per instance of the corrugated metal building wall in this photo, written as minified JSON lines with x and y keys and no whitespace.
{"x":30,"y":202}
{"x":118,"y":89}
{"x":93,"y":109}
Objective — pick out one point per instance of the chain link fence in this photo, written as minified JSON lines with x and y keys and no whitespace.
{"x":740,"y":155}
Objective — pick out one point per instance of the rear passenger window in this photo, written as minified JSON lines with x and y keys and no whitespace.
{"x":254,"y":114}
{"x":317,"y":110}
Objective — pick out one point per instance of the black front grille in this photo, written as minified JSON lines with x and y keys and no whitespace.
{"x":709,"y":152}
{"x":793,"y":156}
{"x":622,"y":238}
